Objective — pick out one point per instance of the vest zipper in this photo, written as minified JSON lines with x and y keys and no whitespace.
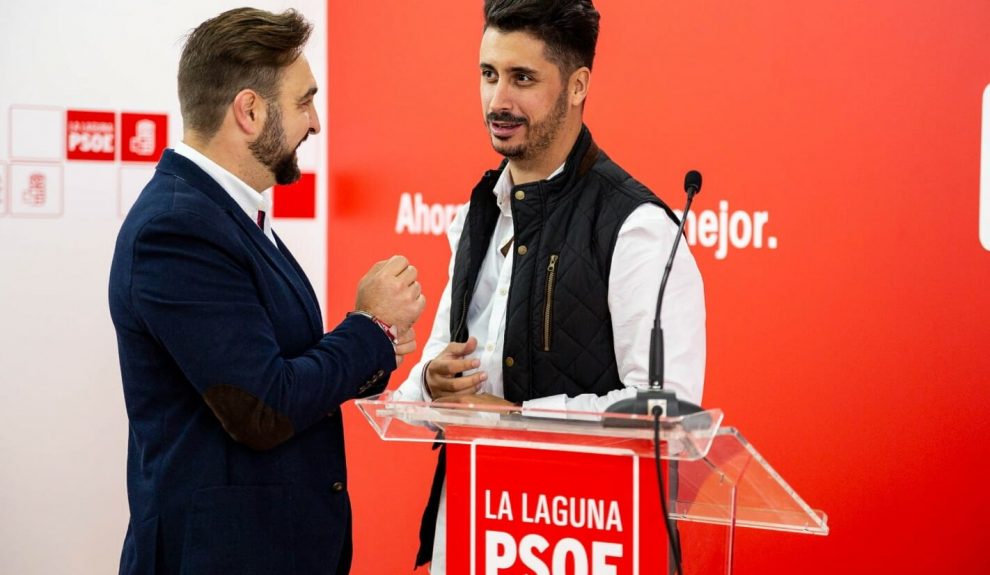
{"x":548,"y":303}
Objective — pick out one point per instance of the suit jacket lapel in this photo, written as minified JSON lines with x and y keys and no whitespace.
{"x":314,"y":302}
{"x":282,"y":261}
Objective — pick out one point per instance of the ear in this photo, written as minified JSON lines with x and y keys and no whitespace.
{"x":578,"y":85}
{"x":249,"y":111}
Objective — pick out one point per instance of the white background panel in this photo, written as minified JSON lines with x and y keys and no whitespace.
{"x":64,"y":439}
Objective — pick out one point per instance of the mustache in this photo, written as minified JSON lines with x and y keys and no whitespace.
{"x":505,"y":117}
{"x":306,"y":137}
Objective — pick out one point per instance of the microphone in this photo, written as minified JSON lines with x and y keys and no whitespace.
{"x":655,"y":395}
{"x":692,"y":184}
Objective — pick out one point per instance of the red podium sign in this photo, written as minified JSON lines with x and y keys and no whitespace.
{"x":545,"y":511}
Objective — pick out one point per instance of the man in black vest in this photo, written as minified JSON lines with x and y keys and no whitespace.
{"x":558,"y":254}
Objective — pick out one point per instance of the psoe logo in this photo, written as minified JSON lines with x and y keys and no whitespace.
{"x":985,"y":173}
{"x":143,"y":137}
{"x":90,"y":135}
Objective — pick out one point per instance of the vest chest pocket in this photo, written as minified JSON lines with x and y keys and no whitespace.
{"x":548,"y":300}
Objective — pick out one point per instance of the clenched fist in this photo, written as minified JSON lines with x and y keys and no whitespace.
{"x":390,"y":292}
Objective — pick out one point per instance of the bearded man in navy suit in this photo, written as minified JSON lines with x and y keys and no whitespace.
{"x":236,"y":449}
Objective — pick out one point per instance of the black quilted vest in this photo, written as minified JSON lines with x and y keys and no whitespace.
{"x":558,"y":336}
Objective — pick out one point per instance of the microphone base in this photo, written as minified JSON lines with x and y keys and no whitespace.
{"x":644,"y":403}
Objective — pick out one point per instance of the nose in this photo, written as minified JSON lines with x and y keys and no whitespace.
{"x":314,"y":122}
{"x":500,"y":96}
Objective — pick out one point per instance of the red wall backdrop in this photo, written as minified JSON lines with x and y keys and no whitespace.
{"x":854,"y":355}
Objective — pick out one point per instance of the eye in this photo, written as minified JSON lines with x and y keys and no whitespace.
{"x":524,"y":79}
{"x":489,"y":75}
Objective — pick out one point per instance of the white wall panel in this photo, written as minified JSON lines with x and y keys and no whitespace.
{"x":63,"y":506}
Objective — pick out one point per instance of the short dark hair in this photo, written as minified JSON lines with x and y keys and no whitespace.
{"x":569,"y":28}
{"x":241,"y":48}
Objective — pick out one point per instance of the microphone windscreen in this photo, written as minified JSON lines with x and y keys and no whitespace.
{"x":692,"y":180}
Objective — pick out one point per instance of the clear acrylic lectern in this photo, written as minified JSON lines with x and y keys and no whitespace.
{"x":717,"y":480}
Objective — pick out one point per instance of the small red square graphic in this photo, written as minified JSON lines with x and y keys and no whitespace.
{"x":296,"y":200}
{"x":90,"y":135}
{"x":143,"y":137}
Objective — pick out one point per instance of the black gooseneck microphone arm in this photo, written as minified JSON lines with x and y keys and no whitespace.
{"x":692,"y":185}
{"x":655,"y":400}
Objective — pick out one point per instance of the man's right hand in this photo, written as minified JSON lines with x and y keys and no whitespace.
{"x":390,"y":292}
{"x":442,"y":372}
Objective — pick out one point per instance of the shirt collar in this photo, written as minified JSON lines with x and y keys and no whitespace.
{"x":246,"y":197}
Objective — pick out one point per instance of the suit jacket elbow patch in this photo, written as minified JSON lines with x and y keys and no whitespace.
{"x":247,"y":419}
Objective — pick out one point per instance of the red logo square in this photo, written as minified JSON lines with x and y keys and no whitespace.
{"x":296,"y":200}
{"x":90,"y":135}
{"x":143,"y":137}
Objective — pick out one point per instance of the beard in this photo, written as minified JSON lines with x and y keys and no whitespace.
{"x":270,"y":150}
{"x":540,"y":135}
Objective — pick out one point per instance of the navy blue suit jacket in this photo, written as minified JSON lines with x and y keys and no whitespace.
{"x":236,"y":451}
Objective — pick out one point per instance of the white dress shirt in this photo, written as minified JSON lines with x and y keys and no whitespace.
{"x":641,"y":251}
{"x":250,"y":200}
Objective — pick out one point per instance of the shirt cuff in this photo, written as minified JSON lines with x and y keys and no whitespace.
{"x":427,"y":396}
{"x":389,"y":330}
{"x":554,"y":402}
